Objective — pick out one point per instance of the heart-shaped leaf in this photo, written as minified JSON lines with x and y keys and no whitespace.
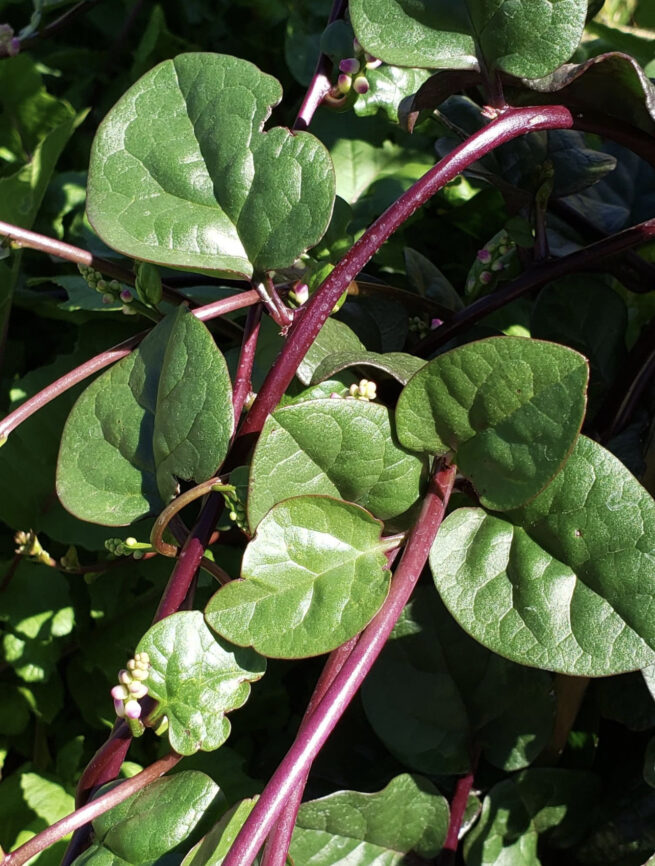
{"x":338,"y":447}
{"x":314,"y":576}
{"x":528,"y":38}
{"x":153,"y":821}
{"x":370,"y":829}
{"x":397,"y":364}
{"x":162,"y":413}
{"x":510,"y":409}
{"x":182,"y":173}
{"x":566,"y":583}
{"x":196,"y":679}
{"x":434,"y":691}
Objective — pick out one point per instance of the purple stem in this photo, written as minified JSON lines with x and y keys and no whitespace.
{"x":92,"y":810}
{"x":105,"y":765}
{"x":243,"y":378}
{"x":585,"y":259}
{"x":105,"y":359}
{"x":457,"y":810}
{"x":318,"y":728}
{"x":513,"y":123}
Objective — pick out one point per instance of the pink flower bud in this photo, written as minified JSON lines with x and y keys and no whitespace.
{"x":119,"y":693}
{"x":301,"y":292}
{"x":360,"y":85}
{"x":372,"y":62}
{"x":350,"y":65}
{"x":132,"y":709}
{"x":126,"y":296}
{"x":435,"y":323}
{"x":484,"y":255}
{"x":137,"y":690}
{"x":486,"y":277}
{"x":344,"y":83}
{"x":119,"y":707}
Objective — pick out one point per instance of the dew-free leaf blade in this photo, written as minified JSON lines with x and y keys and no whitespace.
{"x":510,"y":409}
{"x":162,"y":413}
{"x":313,"y":576}
{"x":196,"y":679}
{"x":565,"y":583}
{"x":338,"y":447}
{"x":182,"y":173}
{"x":520,"y":37}
{"x":397,"y":364}
{"x":380,"y":828}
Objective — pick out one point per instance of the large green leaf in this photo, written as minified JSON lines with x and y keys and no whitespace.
{"x":528,"y":38}
{"x":517,"y":810}
{"x":339,"y":447}
{"x":182,"y":173}
{"x":569,"y":583}
{"x":196,"y":679}
{"x":434,"y":694}
{"x":372,"y":829}
{"x":161,"y":414}
{"x":153,"y":821}
{"x":509,"y":408}
{"x":314,"y":576}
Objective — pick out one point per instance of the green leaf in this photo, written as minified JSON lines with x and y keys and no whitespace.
{"x":162,"y":413}
{"x":429,"y":282}
{"x":348,"y":827}
{"x":517,"y":810}
{"x":182,"y":173}
{"x":339,"y":447}
{"x":434,"y":692}
{"x":509,"y":408}
{"x":387,"y":87}
{"x":212,"y":849}
{"x":153,"y":821}
{"x":524,"y":38}
{"x":567,"y":585}
{"x":314,"y":576}
{"x":333,"y":337}
{"x":397,"y":364}
{"x":196,"y":679}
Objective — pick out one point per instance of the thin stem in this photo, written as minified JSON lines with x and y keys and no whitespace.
{"x":105,"y":359}
{"x":92,"y":810}
{"x":63,"y":21}
{"x":586,"y":259}
{"x":173,"y":509}
{"x":457,"y":811}
{"x":512,"y":124}
{"x":277,"y":309}
{"x":330,"y":709}
{"x":243,"y":378}
{"x":569,"y":694}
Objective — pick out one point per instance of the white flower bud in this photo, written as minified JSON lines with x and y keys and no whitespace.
{"x":132,"y":709}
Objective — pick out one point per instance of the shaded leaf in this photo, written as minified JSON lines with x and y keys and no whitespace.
{"x":212,"y":848}
{"x":196,"y":679}
{"x":313,"y":576}
{"x":397,"y":364}
{"x":333,"y":337}
{"x":509,"y":408}
{"x":338,"y":447}
{"x":568,"y":584}
{"x":162,"y":413}
{"x":182,"y":174}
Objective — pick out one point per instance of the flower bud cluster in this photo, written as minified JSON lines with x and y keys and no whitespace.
{"x":352,"y":71}
{"x":365,"y":390}
{"x":28,"y":544}
{"x":127,"y":547}
{"x":111,"y":290}
{"x":236,"y":510}
{"x":9,"y":44}
{"x":494,"y":257}
{"x":131,"y":687}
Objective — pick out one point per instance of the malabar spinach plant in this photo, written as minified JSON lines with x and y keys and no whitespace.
{"x":344,"y":552}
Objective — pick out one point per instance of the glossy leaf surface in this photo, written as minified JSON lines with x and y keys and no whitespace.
{"x":434,"y":694}
{"x":196,"y":679}
{"x":566,"y":583}
{"x":372,"y":829}
{"x":524,"y":38}
{"x":508,"y":407}
{"x":313,"y":576}
{"x":153,"y":821}
{"x":162,"y":413}
{"x":334,"y":336}
{"x":400,"y":365}
{"x":182,"y":173}
{"x":338,"y":447}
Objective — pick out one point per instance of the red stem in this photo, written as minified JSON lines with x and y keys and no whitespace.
{"x":243,"y":378}
{"x":457,"y":810}
{"x":105,"y":765}
{"x":92,"y":810}
{"x":323,"y":720}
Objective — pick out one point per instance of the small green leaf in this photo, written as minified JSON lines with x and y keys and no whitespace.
{"x":339,"y":447}
{"x":314,"y":576}
{"x":196,"y":679}
{"x":182,"y":173}
{"x":509,"y":408}
{"x":387,"y":87}
{"x":517,"y":810}
{"x":567,"y":585}
{"x":527,"y":38}
{"x":397,"y":364}
{"x":333,"y":337}
{"x":163,"y":413}
{"x":434,"y":692}
{"x":153,"y":821}
{"x":372,"y":829}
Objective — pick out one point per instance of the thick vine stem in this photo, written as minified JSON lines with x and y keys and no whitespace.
{"x":91,"y":810}
{"x":105,"y":359}
{"x":347,"y":682}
